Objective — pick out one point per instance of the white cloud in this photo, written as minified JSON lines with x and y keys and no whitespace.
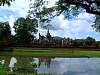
{"x":18,"y":8}
{"x":79,"y":28}
{"x":21,"y":6}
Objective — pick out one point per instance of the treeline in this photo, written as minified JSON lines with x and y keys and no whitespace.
{"x":88,"y":42}
{"x":25,"y":29}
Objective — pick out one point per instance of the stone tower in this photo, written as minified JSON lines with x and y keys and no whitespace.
{"x":48,"y":36}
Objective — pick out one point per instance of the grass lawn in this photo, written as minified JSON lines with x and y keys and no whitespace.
{"x":53,"y":52}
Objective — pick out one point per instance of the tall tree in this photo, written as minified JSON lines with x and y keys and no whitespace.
{"x":5,"y":33}
{"x":5,"y":29}
{"x":25,"y":29}
{"x":89,"y":41}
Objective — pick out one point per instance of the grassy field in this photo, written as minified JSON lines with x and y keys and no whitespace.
{"x":53,"y":52}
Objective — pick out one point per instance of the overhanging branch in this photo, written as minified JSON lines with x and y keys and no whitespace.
{"x":87,"y":7}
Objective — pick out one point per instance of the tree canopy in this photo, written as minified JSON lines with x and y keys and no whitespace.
{"x":8,"y":2}
{"x":69,"y":8}
{"x":91,"y":6}
{"x":25,"y":29}
{"x":4,"y":29}
{"x":89,"y":41}
{"x":66,"y":6}
{"x":5,"y":33}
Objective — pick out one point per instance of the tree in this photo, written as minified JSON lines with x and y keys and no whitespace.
{"x":69,"y":8}
{"x":5,"y":33}
{"x":91,"y":6}
{"x":25,"y":29}
{"x":89,"y":41}
{"x":4,"y":29}
{"x":96,"y":24}
{"x":78,"y":43}
{"x":8,"y":2}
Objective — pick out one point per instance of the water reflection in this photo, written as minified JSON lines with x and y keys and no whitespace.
{"x":71,"y":66}
{"x":12,"y":64}
{"x":64,"y":66}
{"x":2,"y":62}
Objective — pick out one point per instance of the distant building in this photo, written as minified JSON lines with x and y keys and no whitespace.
{"x":45,"y":41}
{"x":49,"y":41}
{"x":66,"y":42}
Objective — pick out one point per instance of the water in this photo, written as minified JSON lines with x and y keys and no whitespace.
{"x":13,"y":61}
{"x":45,"y":65}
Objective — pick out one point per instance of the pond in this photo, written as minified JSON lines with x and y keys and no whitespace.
{"x":45,"y":65}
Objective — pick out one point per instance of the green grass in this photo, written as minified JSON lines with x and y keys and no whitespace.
{"x":15,"y":73}
{"x":54,"y":52}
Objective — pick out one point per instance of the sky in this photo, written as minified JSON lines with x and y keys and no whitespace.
{"x":80,"y":27}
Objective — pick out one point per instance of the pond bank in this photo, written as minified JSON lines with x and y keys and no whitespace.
{"x":53,"y":52}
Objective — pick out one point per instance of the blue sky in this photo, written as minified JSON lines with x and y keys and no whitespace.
{"x":80,"y":27}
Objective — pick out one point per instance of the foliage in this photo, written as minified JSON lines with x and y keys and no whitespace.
{"x":8,"y":2}
{"x":70,"y":8}
{"x":42,"y":9}
{"x":25,"y":29}
{"x":89,"y":41}
{"x":4,"y":29}
{"x":79,"y":42}
{"x":5,"y":33}
{"x":96,"y":24}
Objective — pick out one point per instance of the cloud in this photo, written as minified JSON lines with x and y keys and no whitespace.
{"x":16,"y":10}
{"x":76,"y":28}
{"x":7,"y":12}
{"x":80,"y":27}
